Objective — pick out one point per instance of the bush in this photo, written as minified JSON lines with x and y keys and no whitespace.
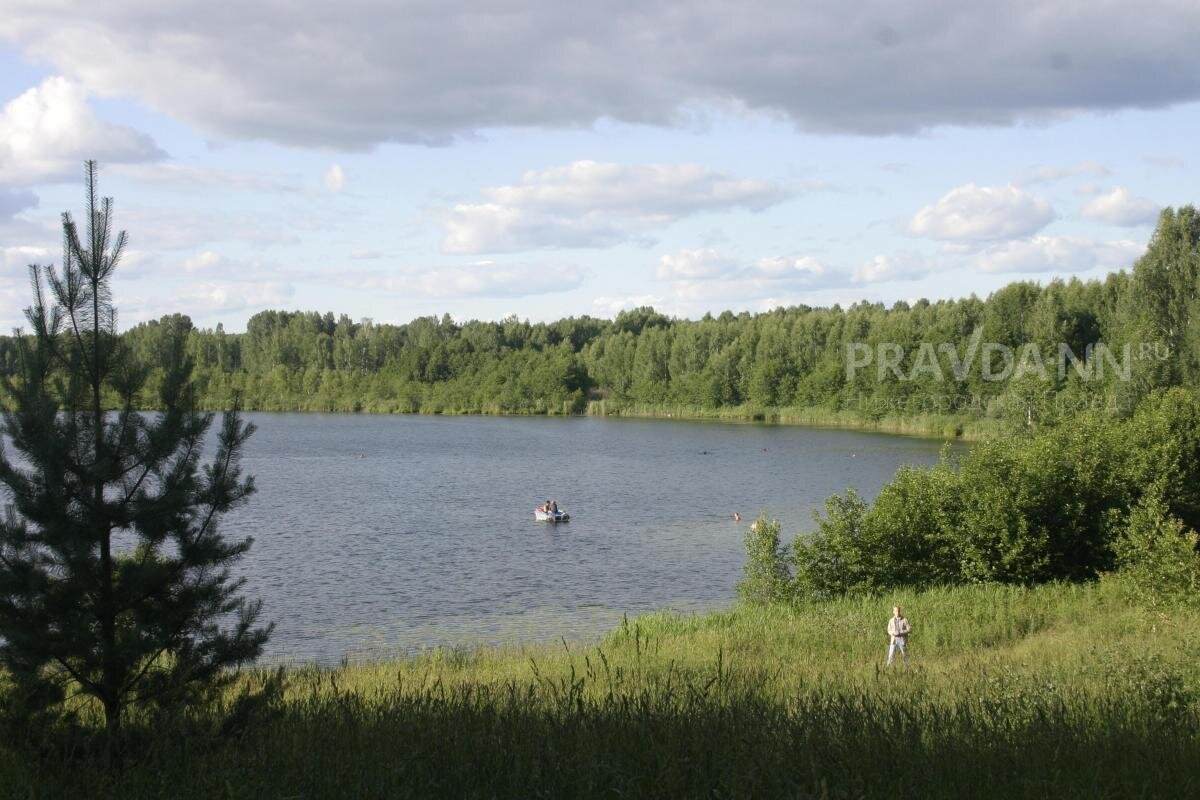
{"x":766,"y":573}
{"x":915,"y":526}
{"x":1158,"y":554}
{"x":1025,"y":510}
{"x":909,"y":537}
{"x":839,"y":556}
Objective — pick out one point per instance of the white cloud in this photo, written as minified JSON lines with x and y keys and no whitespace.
{"x":335,"y":178}
{"x":1049,"y":173}
{"x":974,"y":213}
{"x":205,"y":266}
{"x":709,"y":275}
{"x":50,"y":130}
{"x":20,"y":256}
{"x":482,"y":279}
{"x":591,"y":204}
{"x":1059,"y":254}
{"x":1120,"y":207}
{"x":694,"y":264}
{"x":211,"y":297}
{"x":351,"y":75}
{"x":896,"y":267}
{"x":805,"y":268}
{"x":207,"y":261}
{"x":205,"y":300}
{"x":701,"y":265}
{"x":611,"y":305}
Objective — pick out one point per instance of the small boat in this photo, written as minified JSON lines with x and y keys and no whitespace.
{"x":540,"y":514}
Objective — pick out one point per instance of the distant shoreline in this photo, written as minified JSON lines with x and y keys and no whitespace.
{"x":925,"y":426}
{"x":922,"y":426}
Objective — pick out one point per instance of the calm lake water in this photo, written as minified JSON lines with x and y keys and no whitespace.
{"x":428,"y":538}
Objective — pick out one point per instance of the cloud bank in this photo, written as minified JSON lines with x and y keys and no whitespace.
{"x":1059,"y":254}
{"x":357,"y":73}
{"x":1121,"y":207}
{"x":50,"y":130}
{"x":591,"y":204}
{"x":983,"y":213}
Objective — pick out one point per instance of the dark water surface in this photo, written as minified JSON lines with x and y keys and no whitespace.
{"x":428,"y":538}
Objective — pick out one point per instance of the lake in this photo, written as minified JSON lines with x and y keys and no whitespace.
{"x":378,"y":535}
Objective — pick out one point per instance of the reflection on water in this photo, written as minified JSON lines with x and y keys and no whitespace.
{"x":428,"y":538}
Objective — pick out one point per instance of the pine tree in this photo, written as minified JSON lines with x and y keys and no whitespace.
{"x":115,"y":579}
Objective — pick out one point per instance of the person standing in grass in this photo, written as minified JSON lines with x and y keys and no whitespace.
{"x":898,"y":629}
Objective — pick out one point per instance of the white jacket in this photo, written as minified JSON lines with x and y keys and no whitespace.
{"x":898,"y":628}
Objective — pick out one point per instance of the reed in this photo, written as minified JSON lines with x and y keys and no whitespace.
{"x":949,"y":426}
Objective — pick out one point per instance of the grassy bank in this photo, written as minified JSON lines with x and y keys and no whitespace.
{"x":945,"y":426}
{"x":967,"y":427}
{"x":941,"y":425}
{"x":963,"y":426}
{"x":1059,"y":691}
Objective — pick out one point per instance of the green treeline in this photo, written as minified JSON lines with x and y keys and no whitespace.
{"x":738,"y":365}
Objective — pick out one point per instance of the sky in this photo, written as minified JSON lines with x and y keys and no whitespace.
{"x":388,"y":160}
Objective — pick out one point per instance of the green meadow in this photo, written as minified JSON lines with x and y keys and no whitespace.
{"x":1055,"y":691}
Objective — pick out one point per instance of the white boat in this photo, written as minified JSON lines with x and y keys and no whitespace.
{"x":542,"y":515}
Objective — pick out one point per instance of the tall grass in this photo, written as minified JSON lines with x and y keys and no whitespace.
{"x":951,"y":426}
{"x":1058,"y":691}
{"x":963,"y":426}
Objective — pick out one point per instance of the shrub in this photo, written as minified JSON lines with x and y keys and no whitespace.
{"x":838,"y":557}
{"x":1025,"y":510}
{"x":766,"y":572}
{"x":1158,"y":553}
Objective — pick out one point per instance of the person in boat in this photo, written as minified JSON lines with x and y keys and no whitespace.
{"x":553,"y":509}
{"x":544,"y":507}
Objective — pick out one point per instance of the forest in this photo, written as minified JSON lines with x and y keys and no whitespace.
{"x":741,"y":365}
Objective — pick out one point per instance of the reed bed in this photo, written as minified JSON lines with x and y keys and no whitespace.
{"x":968,"y":427}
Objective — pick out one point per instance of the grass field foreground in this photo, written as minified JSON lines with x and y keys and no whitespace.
{"x":1056,"y":691}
